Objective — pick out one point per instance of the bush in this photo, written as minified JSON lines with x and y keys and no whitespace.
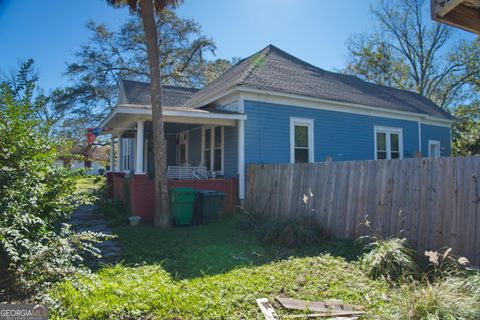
{"x":292,"y":232}
{"x":391,"y":259}
{"x":36,"y":196}
{"x":447,"y":299}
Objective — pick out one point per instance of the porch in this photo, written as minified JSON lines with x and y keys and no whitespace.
{"x":204,"y":151}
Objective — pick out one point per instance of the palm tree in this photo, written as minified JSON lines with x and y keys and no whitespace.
{"x":147,"y":10}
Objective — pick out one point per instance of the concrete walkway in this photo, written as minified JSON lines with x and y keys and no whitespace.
{"x":85,"y":218}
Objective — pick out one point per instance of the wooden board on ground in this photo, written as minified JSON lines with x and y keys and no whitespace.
{"x":267,"y":309}
{"x":321,"y":308}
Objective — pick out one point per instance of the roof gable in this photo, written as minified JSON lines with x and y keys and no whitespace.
{"x":272,"y":69}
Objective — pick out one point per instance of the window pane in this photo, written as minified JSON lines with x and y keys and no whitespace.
{"x":395,"y":155}
{"x":394,"y":145}
{"x":381,"y":155}
{"x":381,"y":142}
{"x":183,"y":153}
{"x":207,"y":159}
{"x":207,"y":138}
{"x":218,"y":160}
{"x":301,"y":136}
{"x":218,"y":137}
{"x":434,"y":150}
{"x":301,"y":155}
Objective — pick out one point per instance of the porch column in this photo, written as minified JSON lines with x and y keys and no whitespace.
{"x":241,"y":158}
{"x":139,"y":143}
{"x":118,"y":167}
{"x":112,"y":153}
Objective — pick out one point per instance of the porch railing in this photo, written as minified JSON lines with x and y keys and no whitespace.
{"x":187,"y":172}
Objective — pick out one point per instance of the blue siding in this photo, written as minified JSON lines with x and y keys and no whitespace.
{"x":442,"y":134}
{"x":195,"y":146}
{"x":342,"y":136}
{"x":230,"y":153}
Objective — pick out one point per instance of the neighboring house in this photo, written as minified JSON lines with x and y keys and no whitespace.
{"x":464,"y":14}
{"x":91,"y":167}
{"x":271,"y":108}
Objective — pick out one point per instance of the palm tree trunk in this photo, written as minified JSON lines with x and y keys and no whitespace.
{"x":162,"y":209}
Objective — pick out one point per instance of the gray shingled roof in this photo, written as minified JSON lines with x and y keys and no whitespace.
{"x":139,"y":93}
{"x":272,"y":69}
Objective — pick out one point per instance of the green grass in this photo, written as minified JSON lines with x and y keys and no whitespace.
{"x":195,"y":251}
{"x":151,"y":292}
{"x":217,"y":271}
{"x":91,"y":184}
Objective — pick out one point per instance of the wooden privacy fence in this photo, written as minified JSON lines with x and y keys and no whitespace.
{"x":433,"y":202}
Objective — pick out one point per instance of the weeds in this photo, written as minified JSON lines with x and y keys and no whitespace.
{"x":390,"y":259}
{"x":446,"y":299}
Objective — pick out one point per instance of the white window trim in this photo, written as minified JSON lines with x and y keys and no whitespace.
{"x":434,"y":143}
{"x":309,"y":123}
{"x":388,"y":131}
{"x":212,"y":147}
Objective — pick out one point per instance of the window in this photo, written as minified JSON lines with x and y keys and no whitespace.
{"x":217,"y":149}
{"x":183,"y":148}
{"x":388,"y":143}
{"x":212,"y":142}
{"x":433,"y":148}
{"x":301,"y":140}
{"x":128,"y":149}
{"x":207,"y":138}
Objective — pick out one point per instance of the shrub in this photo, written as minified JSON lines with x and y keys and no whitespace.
{"x":391,"y":259}
{"x":447,"y":299}
{"x":35,"y":196}
{"x":292,"y":232}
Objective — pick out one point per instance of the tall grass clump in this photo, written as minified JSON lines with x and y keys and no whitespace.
{"x":391,"y":259}
{"x":446,"y":299}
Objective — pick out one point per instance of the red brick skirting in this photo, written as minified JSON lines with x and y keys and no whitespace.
{"x":141,"y":191}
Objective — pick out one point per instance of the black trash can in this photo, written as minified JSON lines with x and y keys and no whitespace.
{"x":208,"y":206}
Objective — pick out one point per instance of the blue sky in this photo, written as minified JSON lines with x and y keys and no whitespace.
{"x":313,"y":30}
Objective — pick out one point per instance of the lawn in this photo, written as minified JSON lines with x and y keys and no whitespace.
{"x":195,"y":251}
{"x":90,"y":184}
{"x":213,"y":272}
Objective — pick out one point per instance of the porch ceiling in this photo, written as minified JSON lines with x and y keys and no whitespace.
{"x":123,"y":117}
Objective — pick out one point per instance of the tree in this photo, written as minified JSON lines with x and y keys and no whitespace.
{"x":112,"y":55}
{"x":147,"y":10}
{"x":36,"y":196}
{"x":466,"y":130}
{"x":409,"y":51}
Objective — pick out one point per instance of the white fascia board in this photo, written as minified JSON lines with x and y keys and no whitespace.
{"x":146,"y":111}
{"x":205,"y":115}
{"x":315,"y":103}
{"x":438,"y":122}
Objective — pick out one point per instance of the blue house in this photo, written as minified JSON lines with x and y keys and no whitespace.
{"x":274,"y":108}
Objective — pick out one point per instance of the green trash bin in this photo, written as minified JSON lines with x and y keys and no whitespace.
{"x":208,"y":206}
{"x":181,"y":205}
